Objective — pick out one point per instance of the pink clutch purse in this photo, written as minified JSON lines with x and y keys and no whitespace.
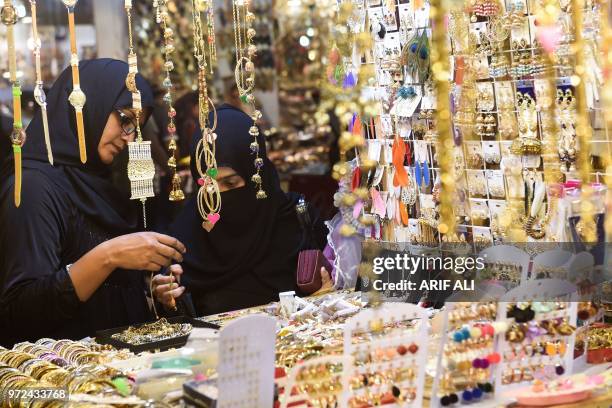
{"x":309,"y":266}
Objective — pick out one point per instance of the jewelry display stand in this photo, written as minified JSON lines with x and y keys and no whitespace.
{"x":246,"y":363}
{"x":404,"y":353}
{"x":483,"y":395}
{"x":316,"y":373}
{"x":544,"y":291}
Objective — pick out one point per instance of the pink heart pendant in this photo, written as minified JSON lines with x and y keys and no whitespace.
{"x":213,"y":218}
{"x":210,"y":221}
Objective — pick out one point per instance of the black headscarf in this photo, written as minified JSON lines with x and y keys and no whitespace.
{"x":254,"y":238}
{"x":89,"y":184}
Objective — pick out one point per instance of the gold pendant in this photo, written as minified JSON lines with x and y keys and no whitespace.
{"x":207,"y":225}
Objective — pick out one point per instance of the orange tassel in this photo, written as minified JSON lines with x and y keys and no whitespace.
{"x":81,"y":136}
{"x":358,"y":126}
{"x":17,"y":157}
{"x":399,"y":153}
{"x":403,"y":213}
{"x":334,"y":56}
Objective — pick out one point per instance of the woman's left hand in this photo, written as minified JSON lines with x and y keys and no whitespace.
{"x":166,"y":287}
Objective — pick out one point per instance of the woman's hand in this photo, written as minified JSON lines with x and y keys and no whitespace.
{"x":148,"y":251}
{"x":166,"y":287}
{"x":327,"y":283}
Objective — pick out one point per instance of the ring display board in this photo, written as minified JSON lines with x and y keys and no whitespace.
{"x":388,"y":346}
{"x":246,"y":363}
{"x":539,"y":342}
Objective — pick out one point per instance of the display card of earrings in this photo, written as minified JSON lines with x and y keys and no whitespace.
{"x":246,"y":367}
{"x":468,"y":355}
{"x":388,"y":346}
{"x":402,"y":139}
{"x":502,"y":150}
{"x":538,"y":346}
{"x":322,"y":382}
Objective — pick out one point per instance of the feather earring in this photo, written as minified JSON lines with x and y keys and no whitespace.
{"x":422,"y":60}
{"x":426,"y":175}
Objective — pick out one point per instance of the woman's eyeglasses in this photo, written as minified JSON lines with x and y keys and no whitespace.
{"x":127,"y":123}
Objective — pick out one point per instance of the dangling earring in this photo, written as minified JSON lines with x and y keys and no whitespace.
{"x":423,"y":56}
{"x":426,"y":175}
{"x":417,"y":172}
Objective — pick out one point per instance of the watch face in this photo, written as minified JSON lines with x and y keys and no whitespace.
{"x":8,"y":15}
{"x":69,"y":3}
{"x":130,"y":82}
{"x":39,"y":95}
{"x":77,"y":99}
{"x":18,"y":137}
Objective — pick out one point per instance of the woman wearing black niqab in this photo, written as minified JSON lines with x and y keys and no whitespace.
{"x":71,"y":261}
{"x":251,"y":253}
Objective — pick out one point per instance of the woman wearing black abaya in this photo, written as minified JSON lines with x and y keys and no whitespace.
{"x":251,"y":253}
{"x":70,"y":261}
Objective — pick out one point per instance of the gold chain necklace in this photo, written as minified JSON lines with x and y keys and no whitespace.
{"x":163,"y":18}
{"x":141,"y":169}
{"x":245,"y":78}
{"x":209,"y":196}
{"x":39,"y":93}
{"x":9,"y":18}
{"x":77,"y":97}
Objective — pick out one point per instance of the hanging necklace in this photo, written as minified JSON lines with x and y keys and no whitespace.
{"x":163,"y":18}
{"x":77,"y":97}
{"x":209,"y":196}
{"x":141,"y":169}
{"x":245,"y":78}
{"x":18,"y":136}
{"x":39,"y":93}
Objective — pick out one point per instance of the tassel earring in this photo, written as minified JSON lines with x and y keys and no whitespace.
{"x":417,"y":173}
{"x":426,"y":175}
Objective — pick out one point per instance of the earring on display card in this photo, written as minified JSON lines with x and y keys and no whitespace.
{"x":417,"y":173}
{"x":426,"y":175}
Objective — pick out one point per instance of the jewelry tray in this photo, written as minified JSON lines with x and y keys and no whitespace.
{"x":105,"y":336}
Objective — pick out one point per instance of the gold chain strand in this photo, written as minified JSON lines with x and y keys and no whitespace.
{"x":586,"y":227}
{"x":39,"y":92}
{"x":441,"y":76}
{"x":141,"y":169}
{"x":163,"y":19}
{"x":18,"y":136}
{"x":77,"y":97}
{"x":212,"y":43}
{"x":209,"y":195}
{"x":245,"y":79}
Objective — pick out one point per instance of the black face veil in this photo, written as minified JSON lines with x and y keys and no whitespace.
{"x":259,"y":237}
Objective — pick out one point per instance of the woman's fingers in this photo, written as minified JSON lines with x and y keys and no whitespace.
{"x":168,"y":252}
{"x":173,"y":294}
{"x":171,"y":242}
{"x":160,"y":260}
{"x":162,"y":280}
{"x":161,"y":290}
{"x":176,"y":271}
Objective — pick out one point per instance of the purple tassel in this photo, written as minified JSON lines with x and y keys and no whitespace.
{"x":352,"y":122}
{"x":349,"y":81}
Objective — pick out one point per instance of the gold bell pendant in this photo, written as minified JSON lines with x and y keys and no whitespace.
{"x":176,"y":194}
